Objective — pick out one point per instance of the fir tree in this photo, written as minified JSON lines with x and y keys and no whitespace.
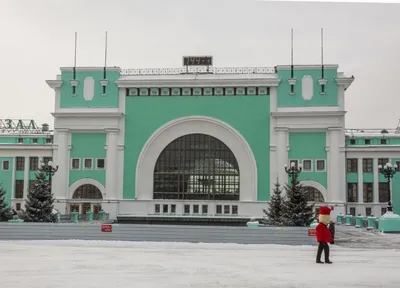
{"x":276,"y":206}
{"x":297,"y":211}
{"x":5,"y":210}
{"x":39,"y":206}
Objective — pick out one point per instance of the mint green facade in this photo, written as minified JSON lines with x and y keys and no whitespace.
{"x":87,"y":145}
{"x":249,"y":115}
{"x":330,"y":98}
{"x":6,"y":177}
{"x":309,"y":146}
{"x":110,"y":99}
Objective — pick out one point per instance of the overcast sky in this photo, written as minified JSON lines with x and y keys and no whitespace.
{"x":38,"y":38}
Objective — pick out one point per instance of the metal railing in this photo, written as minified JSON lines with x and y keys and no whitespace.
{"x":198,"y":70}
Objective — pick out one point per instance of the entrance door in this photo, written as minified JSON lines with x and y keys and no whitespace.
{"x":86,"y":207}
{"x":96,"y":209}
{"x":74,"y":208}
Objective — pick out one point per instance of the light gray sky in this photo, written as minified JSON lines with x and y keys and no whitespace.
{"x":38,"y":38}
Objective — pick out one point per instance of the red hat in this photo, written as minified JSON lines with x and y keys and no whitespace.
{"x":324,"y":210}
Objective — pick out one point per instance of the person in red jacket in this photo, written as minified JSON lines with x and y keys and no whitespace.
{"x":323,"y":234}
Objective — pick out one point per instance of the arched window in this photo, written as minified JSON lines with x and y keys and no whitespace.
{"x":87,"y":191}
{"x":196,"y":167}
{"x":313,"y":194}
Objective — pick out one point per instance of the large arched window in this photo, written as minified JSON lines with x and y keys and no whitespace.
{"x":196,"y":167}
{"x":87,"y":191}
{"x":313,"y":194}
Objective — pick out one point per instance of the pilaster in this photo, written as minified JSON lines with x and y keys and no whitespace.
{"x":376,"y":179}
{"x":26,"y":177}
{"x":111,"y":163}
{"x":60,"y":182}
{"x":281,"y":152}
{"x":360,"y":181}
{"x":334,"y":186}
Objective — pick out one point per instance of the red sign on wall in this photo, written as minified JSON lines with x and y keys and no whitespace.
{"x":311,"y":232}
{"x":106,"y":228}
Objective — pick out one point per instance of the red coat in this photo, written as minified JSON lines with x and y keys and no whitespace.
{"x":323,"y":234}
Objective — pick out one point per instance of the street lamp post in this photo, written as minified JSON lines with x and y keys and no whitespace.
{"x":388,"y":171}
{"x":293,"y":171}
{"x":49,"y":169}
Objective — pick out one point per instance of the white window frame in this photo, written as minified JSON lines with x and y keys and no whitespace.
{"x":83,"y":164}
{"x":2,"y":165}
{"x":302,"y":163}
{"x":316,"y":166}
{"x":291,"y":160}
{"x":97,"y":168}
{"x":72,"y":160}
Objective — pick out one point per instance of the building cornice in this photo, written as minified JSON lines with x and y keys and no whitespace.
{"x":345,"y":81}
{"x":89,"y":69}
{"x":382,"y":148}
{"x":309,"y":114}
{"x":88,"y":114}
{"x":20,"y":146}
{"x":54,"y":84}
{"x":172,"y":83}
{"x":307,"y":67}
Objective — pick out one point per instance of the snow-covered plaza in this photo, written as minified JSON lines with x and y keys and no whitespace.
{"x":62,"y":264}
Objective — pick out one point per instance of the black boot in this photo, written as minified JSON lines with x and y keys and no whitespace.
{"x":328,"y":262}
{"x":319,"y":262}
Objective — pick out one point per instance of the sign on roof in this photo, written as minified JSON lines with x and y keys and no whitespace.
{"x":19,"y":126}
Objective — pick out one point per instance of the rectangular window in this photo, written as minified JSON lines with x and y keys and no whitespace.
{"x":321,"y":165}
{"x":352,"y":192}
{"x":34,"y":140}
{"x":48,"y":141}
{"x":367,"y":165}
{"x":19,"y":189}
{"x":165,"y":208}
{"x":352,"y":141}
{"x":368,"y":211}
{"x":383,"y":192}
{"x":18,"y":207}
{"x":227,"y":209}
{"x":195,"y":209}
{"x":383,"y":141}
{"x":352,"y":165}
{"x":75,"y":163}
{"x":383,"y":210}
{"x":307,"y":165}
{"x":367,"y":192}
{"x":20,"y":140}
{"x":219,"y":209}
{"x":234,"y":209}
{"x":173,"y":208}
{"x":33,"y":163}
{"x":157,"y":208}
{"x":383,"y":161}
{"x":353,"y":211}
{"x":367,"y":141}
{"x":186,"y":209}
{"x":398,"y":165}
{"x":100,"y":163}
{"x":204,"y":209}
{"x":20,"y":163}
{"x":6,"y":165}
{"x":88,"y":163}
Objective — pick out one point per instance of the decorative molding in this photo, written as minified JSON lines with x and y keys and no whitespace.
{"x":272,"y":148}
{"x":69,"y":147}
{"x":104,"y":82}
{"x":345,"y":81}
{"x":21,"y":146}
{"x":322,"y":81}
{"x":112,"y":130}
{"x":89,"y":69}
{"x":281,"y":129}
{"x":292,"y":81}
{"x":121,"y":147}
{"x":306,"y":67}
{"x":84,"y":181}
{"x":74,"y":82}
{"x":335,"y":129}
{"x":383,"y":148}
{"x":287,"y":148}
{"x":54,"y":84}
{"x":196,"y":124}
{"x":88,"y":114}
{"x":309,"y":114}
{"x":195,"y":82}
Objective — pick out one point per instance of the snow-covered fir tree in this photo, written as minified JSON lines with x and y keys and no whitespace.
{"x":274,"y":212}
{"x":297,"y":211}
{"x":5,"y":210}
{"x":39,"y":206}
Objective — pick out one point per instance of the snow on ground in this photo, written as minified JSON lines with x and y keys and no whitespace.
{"x":62,"y":264}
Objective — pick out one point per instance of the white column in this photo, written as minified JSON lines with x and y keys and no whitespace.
{"x":26,"y":177}
{"x":376,"y":180}
{"x":111,"y":163}
{"x":360,"y":181}
{"x":14,"y":162}
{"x":281,"y":153}
{"x":60,"y":185}
{"x":334,"y":185}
